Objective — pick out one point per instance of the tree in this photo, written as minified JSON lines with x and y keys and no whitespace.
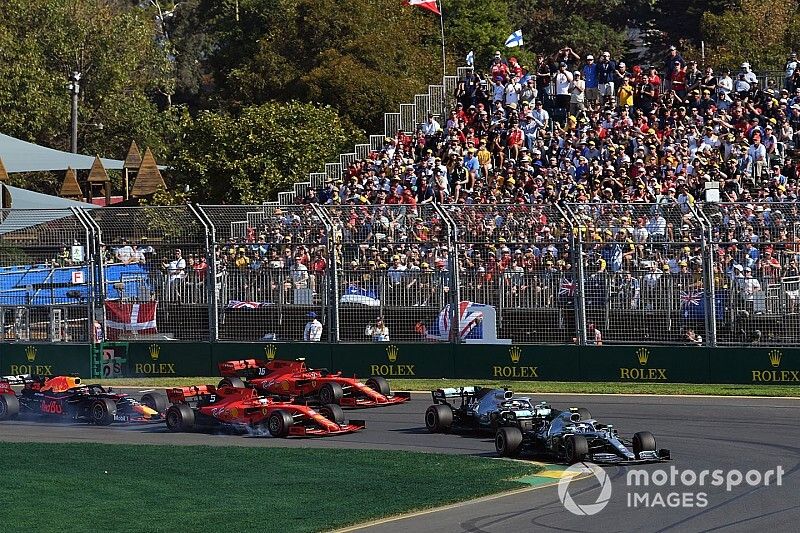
{"x":759,"y":33}
{"x":251,"y":155}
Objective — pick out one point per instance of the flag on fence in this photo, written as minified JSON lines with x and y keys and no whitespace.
{"x":470,"y":58}
{"x":566,"y":288}
{"x":693,"y":304}
{"x":470,"y":320}
{"x":515,"y":39}
{"x":237,"y":304}
{"x":430,"y":5}
{"x":359,"y":295}
{"x":131,"y":319}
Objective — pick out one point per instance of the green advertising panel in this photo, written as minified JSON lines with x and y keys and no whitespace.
{"x":761,"y":366}
{"x":654,"y":364}
{"x":516,"y":362}
{"x":393,"y":360}
{"x":317,"y":355}
{"x":45,"y":359}
{"x":162,"y":359}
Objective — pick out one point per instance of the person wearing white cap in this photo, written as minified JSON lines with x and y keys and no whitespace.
{"x":590,"y":78}
{"x":749,"y":75}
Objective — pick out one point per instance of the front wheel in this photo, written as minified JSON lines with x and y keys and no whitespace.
{"x":576,"y":449}
{"x":332,"y":412}
{"x":234,"y":382}
{"x":508,"y":441}
{"x":102,"y":411}
{"x":331,"y":392}
{"x":155,"y":401}
{"x":379,"y":385}
{"x":644,"y":441}
{"x":279,"y":423}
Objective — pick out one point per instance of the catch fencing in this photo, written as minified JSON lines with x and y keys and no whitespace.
{"x":585,"y":274}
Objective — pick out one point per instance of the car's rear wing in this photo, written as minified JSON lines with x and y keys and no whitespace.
{"x":243,"y":368}
{"x":193,"y":394}
{"x":21,"y":379}
{"x":447,"y":395}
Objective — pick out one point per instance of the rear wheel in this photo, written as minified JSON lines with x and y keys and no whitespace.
{"x":155,"y":401}
{"x":102,"y":411}
{"x":9,"y":406}
{"x":585,"y":414}
{"x":180,"y":417}
{"x":577,"y":448}
{"x":439,"y":418}
{"x":332,"y":412}
{"x":379,"y":385}
{"x":508,"y":441}
{"x":644,"y":441}
{"x":279,"y":423}
{"x":331,"y":393}
{"x":231,"y":382}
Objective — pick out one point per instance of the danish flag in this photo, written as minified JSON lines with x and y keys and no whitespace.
{"x":430,"y":5}
{"x":130,"y":319}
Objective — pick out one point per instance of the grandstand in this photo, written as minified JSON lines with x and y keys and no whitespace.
{"x":672,"y":221}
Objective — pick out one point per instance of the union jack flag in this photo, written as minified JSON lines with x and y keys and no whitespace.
{"x":469,"y":323}
{"x":567,"y":288}
{"x":691,"y":298}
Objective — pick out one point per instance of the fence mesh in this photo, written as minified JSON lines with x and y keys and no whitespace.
{"x":756,"y":272}
{"x":393,"y":262}
{"x":155,"y":254}
{"x":643,"y":272}
{"x":519,"y":259}
{"x":272,"y":264}
{"x":44,"y":276}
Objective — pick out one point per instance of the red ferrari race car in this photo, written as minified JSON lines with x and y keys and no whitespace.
{"x":206,"y":407}
{"x":293,"y":379}
{"x":67,"y":398}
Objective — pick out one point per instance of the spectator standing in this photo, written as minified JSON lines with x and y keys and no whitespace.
{"x":378,"y":332}
{"x":789,"y":70}
{"x":673,"y":57}
{"x":605,"y":78}
{"x":563,"y":85}
{"x":313,"y":330}
{"x":577,"y":90}
{"x":590,"y":78}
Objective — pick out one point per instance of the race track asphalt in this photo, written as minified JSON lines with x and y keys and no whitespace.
{"x":703,"y":433}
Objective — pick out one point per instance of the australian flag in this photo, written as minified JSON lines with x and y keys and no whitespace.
{"x":360,"y":295}
{"x":693,"y":304}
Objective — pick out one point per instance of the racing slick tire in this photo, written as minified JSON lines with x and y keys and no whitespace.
{"x":576,"y":449}
{"x":439,"y":418}
{"x":234,"y":382}
{"x":379,"y":385}
{"x":331,"y":393}
{"x":9,"y":406}
{"x":332,"y":412}
{"x":180,"y":417}
{"x":279,"y":422}
{"x":585,"y":414}
{"x":102,"y":411}
{"x":643,"y":441}
{"x":508,"y":441}
{"x":155,"y":401}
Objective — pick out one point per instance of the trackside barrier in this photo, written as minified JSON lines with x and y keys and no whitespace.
{"x":503,"y":363}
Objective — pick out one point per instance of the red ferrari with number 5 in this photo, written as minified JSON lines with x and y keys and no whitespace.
{"x":293,"y":379}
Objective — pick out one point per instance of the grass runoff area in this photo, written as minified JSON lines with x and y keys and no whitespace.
{"x":542,"y":387}
{"x":111,"y":487}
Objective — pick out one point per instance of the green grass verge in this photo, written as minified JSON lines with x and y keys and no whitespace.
{"x":526,"y":386}
{"x":64,"y":487}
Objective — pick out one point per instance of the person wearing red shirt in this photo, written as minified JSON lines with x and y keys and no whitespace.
{"x":408,"y":198}
{"x":679,"y":80}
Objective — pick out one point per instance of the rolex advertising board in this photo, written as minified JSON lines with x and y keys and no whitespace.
{"x":392,"y":360}
{"x":653,"y":364}
{"x":168,"y":359}
{"x":45,"y":359}
{"x":516,"y":362}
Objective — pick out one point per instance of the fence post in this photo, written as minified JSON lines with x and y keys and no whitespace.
{"x":211,"y":256}
{"x":707,"y":248}
{"x":332,"y":288}
{"x":453,"y":271}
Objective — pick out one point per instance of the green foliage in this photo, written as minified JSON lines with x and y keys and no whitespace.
{"x":251,"y":155}
{"x":479,"y":25}
{"x":761,"y":33}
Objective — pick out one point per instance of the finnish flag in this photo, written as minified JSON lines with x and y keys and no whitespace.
{"x":515,"y":39}
{"x":470,"y":58}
